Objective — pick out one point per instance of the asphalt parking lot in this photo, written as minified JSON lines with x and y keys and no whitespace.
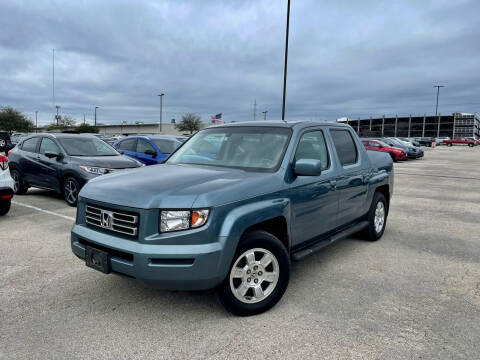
{"x":413,"y":294}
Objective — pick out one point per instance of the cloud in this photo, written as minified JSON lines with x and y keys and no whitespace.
{"x":345,"y":58}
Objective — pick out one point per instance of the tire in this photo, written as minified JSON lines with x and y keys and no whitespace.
{"x":471,"y":145}
{"x":449,"y":144}
{"x":252,"y":275}
{"x":19,"y":187}
{"x":5,"y":206}
{"x":71,"y":188}
{"x":376,"y":228}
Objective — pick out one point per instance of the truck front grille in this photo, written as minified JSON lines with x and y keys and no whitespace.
{"x":113,"y":220}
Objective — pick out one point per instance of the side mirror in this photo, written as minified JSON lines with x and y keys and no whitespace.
{"x":52,"y":154}
{"x":120,"y":152}
{"x":308,"y":167}
{"x":150,"y":152}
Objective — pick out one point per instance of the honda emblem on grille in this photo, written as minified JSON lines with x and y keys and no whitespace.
{"x":106,"y":220}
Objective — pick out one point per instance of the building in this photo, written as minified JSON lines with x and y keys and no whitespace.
{"x":455,"y":125}
{"x":131,"y":129}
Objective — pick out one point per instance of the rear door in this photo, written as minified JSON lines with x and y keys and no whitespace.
{"x":313,"y":198}
{"x":49,"y":167}
{"x":352,"y":180}
{"x":29,"y":163}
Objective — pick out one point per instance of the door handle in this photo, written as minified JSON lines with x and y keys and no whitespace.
{"x":333,"y":184}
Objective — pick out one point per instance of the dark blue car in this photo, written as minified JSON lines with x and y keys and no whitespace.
{"x":150,"y":150}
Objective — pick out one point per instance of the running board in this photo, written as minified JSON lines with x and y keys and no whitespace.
{"x":338,"y":236}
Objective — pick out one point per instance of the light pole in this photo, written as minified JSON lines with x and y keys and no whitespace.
{"x":58,"y":107}
{"x":265,"y":114}
{"x":161,"y":108}
{"x":286,"y":58}
{"x":438,"y":92}
{"x":96,"y":107}
{"x":84,"y":122}
{"x":36,"y":122}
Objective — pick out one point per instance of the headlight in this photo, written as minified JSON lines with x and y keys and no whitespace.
{"x":95,"y":170}
{"x":175,"y":220}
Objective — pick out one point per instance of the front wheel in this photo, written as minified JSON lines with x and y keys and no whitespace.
{"x":258,"y":276}
{"x":71,"y":188}
{"x":471,"y":145}
{"x":377,"y":218}
{"x":4,"y":206}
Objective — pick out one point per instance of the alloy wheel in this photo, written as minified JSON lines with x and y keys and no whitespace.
{"x":254,"y":275}
{"x":379,"y":217}
{"x":70,"y":191}
{"x":16,"y":182}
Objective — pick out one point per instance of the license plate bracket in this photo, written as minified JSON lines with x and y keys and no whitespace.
{"x":97,"y":259}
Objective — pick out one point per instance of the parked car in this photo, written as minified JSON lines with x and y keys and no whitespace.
{"x":5,"y":142}
{"x":6,"y":186}
{"x":425,"y":141}
{"x":149,"y":150}
{"x":272,"y":192}
{"x":395,"y":152}
{"x":411,"y":141}
{"x":411,"y":151}
{"x":477,"y":141}
{"x":459,"y":141}
{"x":63,"y":163}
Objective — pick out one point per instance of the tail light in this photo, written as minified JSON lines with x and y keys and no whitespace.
{"x":3,"y":162}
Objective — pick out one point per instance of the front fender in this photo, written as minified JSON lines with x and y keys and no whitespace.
{"x":242,"y":217}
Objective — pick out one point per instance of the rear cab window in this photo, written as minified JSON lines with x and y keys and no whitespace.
{"x":345,"y":146}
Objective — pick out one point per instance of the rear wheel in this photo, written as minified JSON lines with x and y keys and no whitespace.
{"x":471,"y":145}
{"x":258,"y":276}
{"x":5,"y":206}
{"x":449,"y":144}
{"x":71,"y":188}
{"x":377,"y":218}
{"x":19,"y":186}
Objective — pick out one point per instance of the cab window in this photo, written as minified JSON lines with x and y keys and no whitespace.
{"x":129,"y":145}
{"x":345,"y":146}
{"x":312,"y":146}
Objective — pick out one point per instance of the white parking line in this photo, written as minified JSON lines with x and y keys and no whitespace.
{"x":44,"y":211}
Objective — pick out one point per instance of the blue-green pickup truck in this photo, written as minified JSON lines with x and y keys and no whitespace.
{"x":232,"y":207}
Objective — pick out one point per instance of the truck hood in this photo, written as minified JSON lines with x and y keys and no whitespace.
{"x":176,"y":186}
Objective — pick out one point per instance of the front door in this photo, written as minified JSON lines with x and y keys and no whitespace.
{"x":313,"y":198}
{"x":48,"y":168}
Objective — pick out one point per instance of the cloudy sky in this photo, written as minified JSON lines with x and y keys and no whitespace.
{"x":346,"y":58}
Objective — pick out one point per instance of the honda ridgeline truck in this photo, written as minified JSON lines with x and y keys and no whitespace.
{"x":232,"y":207}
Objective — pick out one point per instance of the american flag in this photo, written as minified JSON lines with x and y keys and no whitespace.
{"x":217,"y":119}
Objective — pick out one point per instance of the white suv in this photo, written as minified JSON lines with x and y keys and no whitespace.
{"x":6,"y":186}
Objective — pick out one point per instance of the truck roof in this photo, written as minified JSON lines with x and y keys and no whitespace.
{"x":280,"y":123}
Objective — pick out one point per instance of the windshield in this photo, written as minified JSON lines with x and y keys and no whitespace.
{"x":83,"y":146}
{"x":248,"y":148}
{"x":166,"y":146}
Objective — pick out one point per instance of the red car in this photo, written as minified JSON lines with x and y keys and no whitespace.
{"x":396,"y":153}
{"x":460,"y":141}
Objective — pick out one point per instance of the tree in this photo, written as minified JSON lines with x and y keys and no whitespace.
{"x":65,"y":120}
{"x":13,"y":120}
{"x":87,"y":128}
{"x":190,"y":122}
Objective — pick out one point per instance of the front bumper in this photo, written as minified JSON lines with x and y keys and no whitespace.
{"x":173,"y":267}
